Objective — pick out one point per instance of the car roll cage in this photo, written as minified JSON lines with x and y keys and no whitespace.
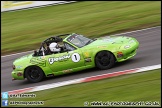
{"x":55,"y":38}
{"x":48,"y":41}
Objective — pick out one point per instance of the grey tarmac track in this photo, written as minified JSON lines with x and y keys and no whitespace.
{"x":149,"y":53}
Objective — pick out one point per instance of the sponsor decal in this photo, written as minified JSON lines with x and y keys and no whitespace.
{"x":18,"y":67}
{"x":86,"y":54}
{"x":55,"y":59}
{"x":75,"y":58}
{"x":71,"y":38}
{"x":131,"y":41}
{"x":127,"y":46}
{"x":88,"y":60}
{"x":38,"y":61}
{"x":101,"y":46}
{"x":68,"y":70}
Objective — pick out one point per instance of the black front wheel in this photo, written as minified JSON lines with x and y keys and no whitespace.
{"x":34,"y":74}
{"x":104,"y":60}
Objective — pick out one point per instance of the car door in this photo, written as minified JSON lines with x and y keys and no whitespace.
{"x":70,"y":59}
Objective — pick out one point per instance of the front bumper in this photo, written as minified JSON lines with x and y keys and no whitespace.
{"x":17,"y":75}
{"x":127,"y":53}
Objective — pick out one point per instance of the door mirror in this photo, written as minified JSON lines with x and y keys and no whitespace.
{"x":35,"y":53}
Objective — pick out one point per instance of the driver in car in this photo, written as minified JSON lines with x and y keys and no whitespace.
{"x":54,"y":47}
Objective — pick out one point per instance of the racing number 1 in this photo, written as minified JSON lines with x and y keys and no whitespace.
{"x":75,"y":57}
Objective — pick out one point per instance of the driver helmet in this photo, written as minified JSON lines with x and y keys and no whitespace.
{"x":54,"y":47}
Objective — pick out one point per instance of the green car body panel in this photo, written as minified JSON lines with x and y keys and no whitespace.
{"x":78,"y":59}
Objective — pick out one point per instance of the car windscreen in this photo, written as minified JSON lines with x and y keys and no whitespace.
{"x":79,"y":40}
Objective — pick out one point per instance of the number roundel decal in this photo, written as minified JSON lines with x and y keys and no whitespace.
{"x":75,"y":57}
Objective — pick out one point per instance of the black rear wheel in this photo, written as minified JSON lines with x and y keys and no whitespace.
{"x":104,"y":60}
{"x":34,"y":74}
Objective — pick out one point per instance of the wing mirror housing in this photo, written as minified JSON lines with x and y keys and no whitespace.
{"x":35,"y":53}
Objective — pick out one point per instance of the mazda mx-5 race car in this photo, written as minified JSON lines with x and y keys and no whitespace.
{"x":77,"y":53}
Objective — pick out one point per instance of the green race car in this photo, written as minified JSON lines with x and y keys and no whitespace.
{"x":76,"y":53}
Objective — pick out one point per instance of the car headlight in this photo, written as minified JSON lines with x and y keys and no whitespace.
{"x":127,"y":46}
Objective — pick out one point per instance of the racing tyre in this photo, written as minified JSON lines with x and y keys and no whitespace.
{"x":104,"y":60}
{"x":34,"y":74}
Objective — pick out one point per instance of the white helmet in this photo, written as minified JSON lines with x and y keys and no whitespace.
{"x":54,"y":47}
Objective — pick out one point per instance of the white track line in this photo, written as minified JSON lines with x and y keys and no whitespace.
{"x":114,"y":34}
{"x":85,"y":79}
{"x":138,"y":30}
{"x":16,"y":53}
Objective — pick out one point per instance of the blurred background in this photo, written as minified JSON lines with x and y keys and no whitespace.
{"x":25,"y":24}
{"x":24,"y":30}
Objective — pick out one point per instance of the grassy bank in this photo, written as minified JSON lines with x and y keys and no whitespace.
{"x":25,"y":30}
{"x":137,"y":87}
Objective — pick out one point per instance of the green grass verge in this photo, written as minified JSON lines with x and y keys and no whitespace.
{"x":144,"y":86}
{"x":25,"y":30}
